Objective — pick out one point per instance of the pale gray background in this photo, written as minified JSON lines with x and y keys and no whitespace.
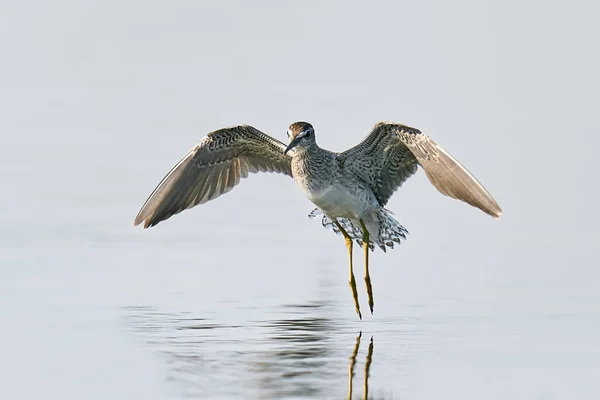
{"x":246,"y":297}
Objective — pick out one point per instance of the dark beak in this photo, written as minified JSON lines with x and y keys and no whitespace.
{"x":292,"y":144}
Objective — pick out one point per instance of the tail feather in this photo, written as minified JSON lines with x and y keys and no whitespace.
{"x":390,"y":231}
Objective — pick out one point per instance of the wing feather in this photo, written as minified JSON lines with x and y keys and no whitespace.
{"x":391,"y":153}
{"x":449,"y":176}
{"x":211,"y":168}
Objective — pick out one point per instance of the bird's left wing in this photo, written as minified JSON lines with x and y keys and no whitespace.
{"x":391,"y":153}
{"x":213,"y":167}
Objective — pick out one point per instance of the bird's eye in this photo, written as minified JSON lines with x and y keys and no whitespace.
{"x":307,"y":134}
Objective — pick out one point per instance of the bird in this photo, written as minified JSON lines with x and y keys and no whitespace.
{"x":350,"y":189}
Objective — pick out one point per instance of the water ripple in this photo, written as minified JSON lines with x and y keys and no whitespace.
{"x":302,"y":353}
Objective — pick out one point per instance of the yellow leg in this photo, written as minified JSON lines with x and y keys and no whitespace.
{"x":367,"y":368}
{"x":352,"y":364}
{"x":367,"y":276}
{"x":351,"y":280}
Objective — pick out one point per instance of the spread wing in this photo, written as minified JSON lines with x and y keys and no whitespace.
{"x":390,"y":154}
{"x":213,"y":167}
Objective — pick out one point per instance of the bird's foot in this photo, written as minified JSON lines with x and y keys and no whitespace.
{"x":369,"y":292}
{"x":355,"y":296}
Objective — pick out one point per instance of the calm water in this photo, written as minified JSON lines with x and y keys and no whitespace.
{"x":252,"y":302}
{"x":246,"y":297}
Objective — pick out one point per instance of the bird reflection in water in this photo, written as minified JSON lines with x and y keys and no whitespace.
{"x":304,"y":357}
{"x":368,"y":361}
{"x":298,"y":354}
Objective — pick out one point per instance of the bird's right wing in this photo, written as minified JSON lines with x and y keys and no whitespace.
{"x":213,"y":167}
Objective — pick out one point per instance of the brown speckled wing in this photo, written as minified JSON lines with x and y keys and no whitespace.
{"x":212,"y":168}
{"x":390,"y":154}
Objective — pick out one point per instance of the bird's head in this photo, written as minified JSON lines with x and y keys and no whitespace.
{"x":301,"y":135}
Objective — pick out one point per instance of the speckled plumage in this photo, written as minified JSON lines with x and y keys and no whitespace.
{"x":352,"y":185}
{"x":350,"y":188}
{"x":212,"y":168}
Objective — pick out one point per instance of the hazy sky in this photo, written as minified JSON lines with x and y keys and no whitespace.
{"x":509,"y":88}
{"x":100,"y":98}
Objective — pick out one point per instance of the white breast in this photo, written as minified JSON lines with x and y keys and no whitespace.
{"x":337,"y":202}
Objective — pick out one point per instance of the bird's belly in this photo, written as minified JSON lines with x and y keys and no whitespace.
{"x":338,"y":202}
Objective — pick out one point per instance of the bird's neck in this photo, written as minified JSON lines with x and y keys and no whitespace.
{"x":312,"y":156}
{"x":311,"y":161}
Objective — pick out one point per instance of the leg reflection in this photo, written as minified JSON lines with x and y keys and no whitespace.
{"x":352,"y":364}
{"x":367,"y":367}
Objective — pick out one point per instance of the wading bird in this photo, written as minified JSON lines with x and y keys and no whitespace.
{"x":350,"y":189}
